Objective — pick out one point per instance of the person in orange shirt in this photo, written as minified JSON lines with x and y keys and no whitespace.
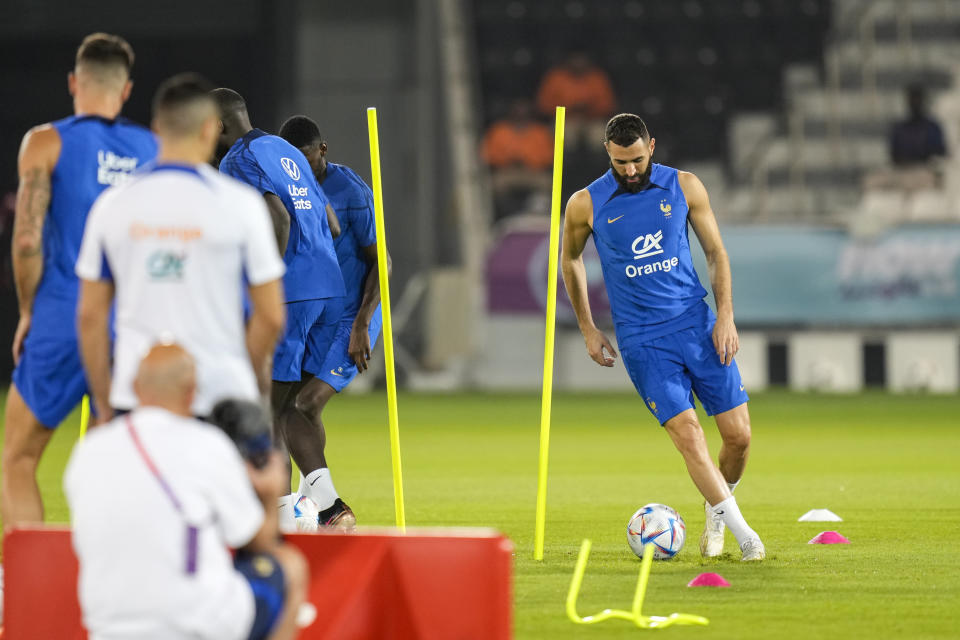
{"x":586,"y":92}
{"x":519,"y":151}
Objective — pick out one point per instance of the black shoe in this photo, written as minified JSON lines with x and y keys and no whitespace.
{"x":339,"y":516}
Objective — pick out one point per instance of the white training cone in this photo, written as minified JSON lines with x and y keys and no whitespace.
{"x":820,"y":515}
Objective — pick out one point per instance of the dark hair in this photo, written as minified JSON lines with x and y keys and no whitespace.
{"x":229,"y":101}
{"x":247,"y":424}
{"x":106,"y":50}
{"x":174,"y":95}
{"x":624,"y":129}
{"x":301,"y":132}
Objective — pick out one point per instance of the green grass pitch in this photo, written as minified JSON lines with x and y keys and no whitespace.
{"x":889,"y":466}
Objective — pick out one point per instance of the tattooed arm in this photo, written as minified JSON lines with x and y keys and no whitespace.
{"x":38,"y":156}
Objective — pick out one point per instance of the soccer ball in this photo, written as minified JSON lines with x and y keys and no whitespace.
{"x":306,"y":513}
{"x":659,"y":525}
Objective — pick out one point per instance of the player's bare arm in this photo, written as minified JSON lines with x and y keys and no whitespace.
{"x":333,"y":222}
{"x":577,"y":227}
{"x":93,"y":318}
{"x":264,"y":328}
{"x":280,"y":218}
{"x":359,"y":346}
{"x":38,"y":156}
{"x":704,"y":222}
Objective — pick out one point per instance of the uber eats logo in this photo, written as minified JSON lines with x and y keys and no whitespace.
{"x":166,"y":265}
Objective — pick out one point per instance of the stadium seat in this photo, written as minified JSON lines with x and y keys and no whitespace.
{"x":932,"y":205}
{"x":685,"y":76}
{"x":886,"y":206}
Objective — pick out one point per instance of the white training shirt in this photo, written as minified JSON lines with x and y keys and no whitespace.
{"x":131,"y":541}
{"x":177,"y":241}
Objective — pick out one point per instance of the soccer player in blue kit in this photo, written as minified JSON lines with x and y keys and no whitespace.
{"x":313,"y":284}
{"x":360,"y":323}
{"x":672,"y":343}
{"x":63,"y":166}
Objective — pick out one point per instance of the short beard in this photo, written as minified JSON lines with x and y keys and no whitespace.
{"x":633,"y":187}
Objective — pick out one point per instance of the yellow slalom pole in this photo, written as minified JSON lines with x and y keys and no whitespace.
{"x":84,"y":415}
{"x":547,"y":395}
{"x":387,"y":322}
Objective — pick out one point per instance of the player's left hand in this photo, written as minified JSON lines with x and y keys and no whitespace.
{"x":725,"y":339}
{"x":359,"y":347}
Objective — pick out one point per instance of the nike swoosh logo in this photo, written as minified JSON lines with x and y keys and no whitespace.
{"x":339,"y":375}
{"x":612,"y":220}
{"x":719,"y":513}
{"x":741,"y":387}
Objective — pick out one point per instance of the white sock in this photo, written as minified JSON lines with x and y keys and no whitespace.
{"x":319,"y":486}
{"x":730,"y":512}
{"x":288,"y":523}
{"x":301,"y":487}
{"x":733,"y":485}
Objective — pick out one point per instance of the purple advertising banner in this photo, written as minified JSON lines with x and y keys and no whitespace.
{"x":517,"y":277}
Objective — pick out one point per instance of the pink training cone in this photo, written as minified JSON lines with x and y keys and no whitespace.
{"x":828,"y":537}
{"x":708,"y":580}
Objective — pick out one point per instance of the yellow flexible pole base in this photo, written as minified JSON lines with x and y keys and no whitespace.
{"x":634,"y":615}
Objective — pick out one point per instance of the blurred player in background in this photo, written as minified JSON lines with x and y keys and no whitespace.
{"x":673,"y":345}
{"x":175,"y":245}
{"x":63,"y":167}
{"x":154,"y":548}
{"x":360,"y":324}
{"x":313,"y":283}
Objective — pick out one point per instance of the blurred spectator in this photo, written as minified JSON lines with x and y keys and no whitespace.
{"x":918,"y":138}
{"x":519,"y":151}
{"x":916,"y":144}
{"x":585,"y":90}
{"x":518,"y":140}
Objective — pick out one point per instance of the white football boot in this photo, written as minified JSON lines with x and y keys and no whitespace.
{"x":752,"y":550}
{"x":711,"y":540}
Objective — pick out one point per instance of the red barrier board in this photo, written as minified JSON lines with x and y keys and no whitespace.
{"x":431,"y":584}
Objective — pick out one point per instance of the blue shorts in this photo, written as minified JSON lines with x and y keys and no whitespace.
{"x":265,"y":577}
{"x":668,"y":370}
{"x":311,"y":325}
{"x":337,"y":368}
{"x":50,"y":377}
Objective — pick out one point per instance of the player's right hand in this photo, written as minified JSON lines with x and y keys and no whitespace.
{"x":359,"y":346}
{"x":597,"y":343}
{"x":23,"y":328}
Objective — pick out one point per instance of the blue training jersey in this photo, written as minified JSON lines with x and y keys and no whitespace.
{"x":270,"y":164}
{"x":644,"y":250}
{"x":95,"y":153}
{"x":352,"y":199}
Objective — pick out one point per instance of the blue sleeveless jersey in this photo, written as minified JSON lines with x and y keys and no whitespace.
{"x":645,"y":255}
{"x":352,"y":199}
{"x":270,"y":164}
{"x":95,"y":153}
